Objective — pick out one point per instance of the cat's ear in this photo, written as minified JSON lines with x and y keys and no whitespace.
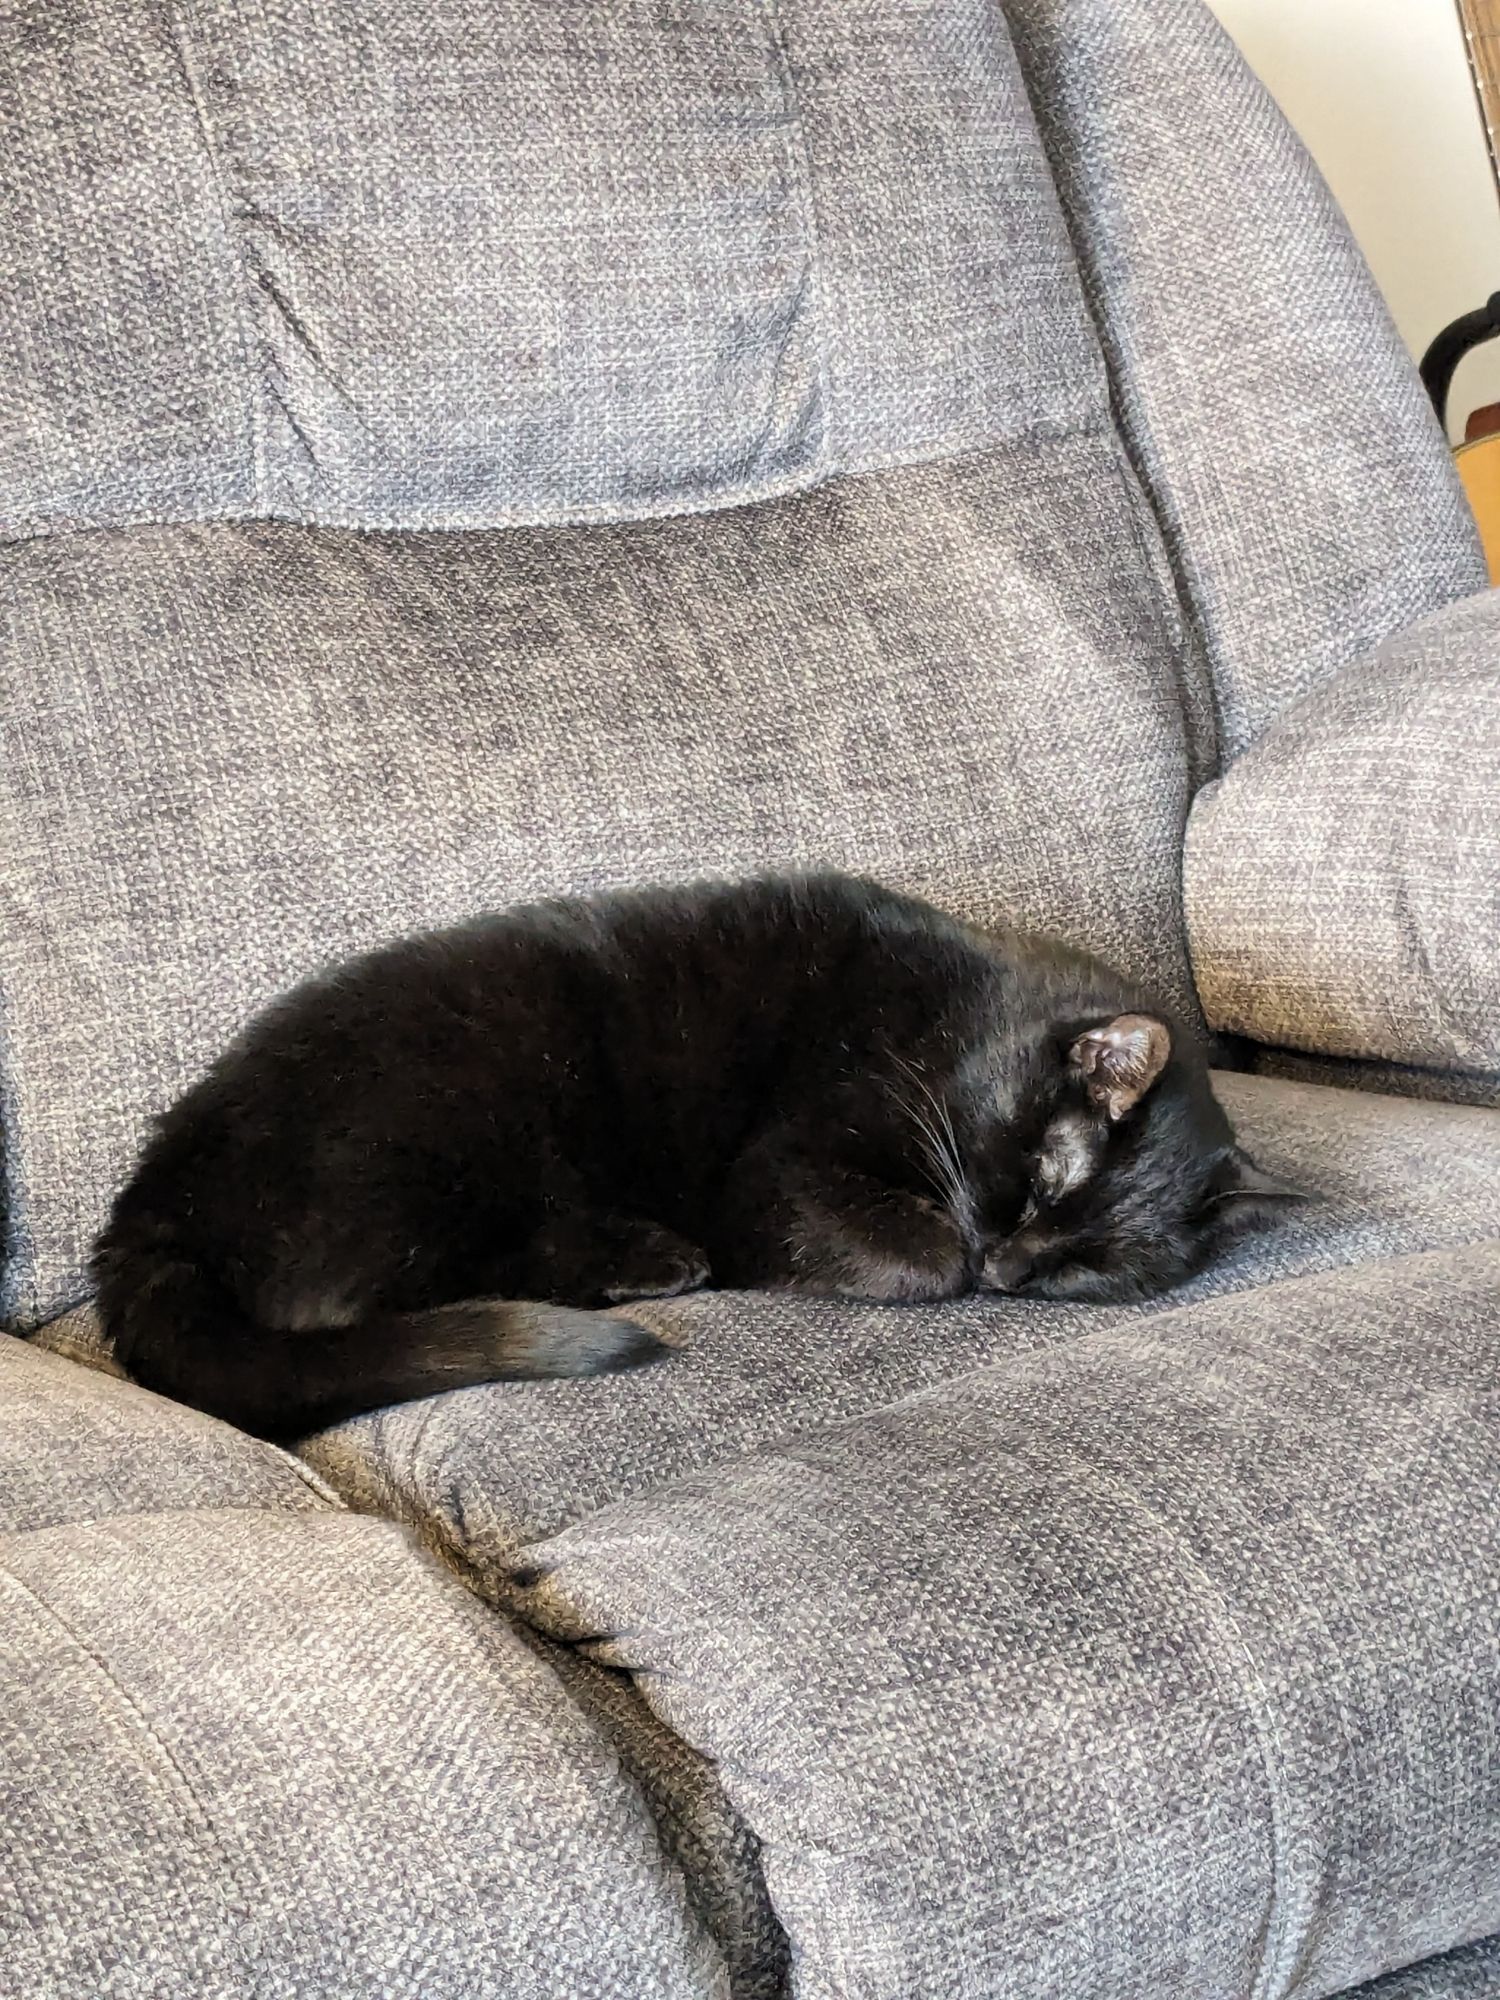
{"x":1248,"y":1198}
{"x":1120,"y":1060}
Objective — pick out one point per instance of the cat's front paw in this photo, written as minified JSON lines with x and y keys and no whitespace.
{"x":657,"y":1264}
{"x":591,"y":1259}
{"x":900,"y":1249}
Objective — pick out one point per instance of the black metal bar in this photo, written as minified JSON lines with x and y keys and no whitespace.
{"x":1441,"y":360}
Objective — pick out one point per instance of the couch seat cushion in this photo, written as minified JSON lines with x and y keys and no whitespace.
{"x":255,"y":1754}
{"x":480,"y":1470}
{"x":1161,"y":1663}
{"x":77,"y":1446}
{"x":1441,"y":1086}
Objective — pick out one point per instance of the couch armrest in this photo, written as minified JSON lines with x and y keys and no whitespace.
{"x":1342,"y":880}
{"x":1303,"y":485}
{"x":272,"y":1753}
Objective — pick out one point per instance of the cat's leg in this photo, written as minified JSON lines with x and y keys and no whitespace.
{"x":591,"y":1257}
{"x":806,"y":1226}
{"x":859,"y":1239}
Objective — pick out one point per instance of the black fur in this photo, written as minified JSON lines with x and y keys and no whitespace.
{"x":411,"y":1173}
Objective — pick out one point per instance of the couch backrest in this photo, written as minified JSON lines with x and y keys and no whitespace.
{"x":424,"y":263}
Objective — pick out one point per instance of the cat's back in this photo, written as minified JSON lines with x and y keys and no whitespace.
{"x":633,"y":973}
{"x":759,"y":943}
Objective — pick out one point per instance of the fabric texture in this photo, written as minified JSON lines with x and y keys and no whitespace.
{"x":426,"y":264}
{"x":1471,"y":1973}
{"x":1307,"y":523}
{"x":1390,"y":1079}
{"x":1162,"y":1663}
{"x":233,"y":753}
{"x":126,"y":393}
{"x":1127,"y":1655}
{"x":700,"y":1832}
{"x":266,"y":1755}
{"x":479,"y":1472}
{"x":1373,"y":808}
{"x":75,"y":1446}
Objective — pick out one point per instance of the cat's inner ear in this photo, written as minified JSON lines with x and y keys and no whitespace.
{"x":1246,"y":1197}
{"x":1120,"y":1060}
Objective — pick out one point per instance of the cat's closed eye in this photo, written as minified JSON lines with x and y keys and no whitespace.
{"x":1068,"y":1157}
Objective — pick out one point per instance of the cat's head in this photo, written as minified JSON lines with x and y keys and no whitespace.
{"x":1131,"y":1180}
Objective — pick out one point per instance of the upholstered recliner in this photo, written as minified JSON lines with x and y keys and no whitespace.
{"x":451,"y":452}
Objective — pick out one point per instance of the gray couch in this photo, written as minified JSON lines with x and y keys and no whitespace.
{"x":457,"y":449}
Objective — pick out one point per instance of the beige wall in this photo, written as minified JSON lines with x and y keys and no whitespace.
{"x":1380,"y":91}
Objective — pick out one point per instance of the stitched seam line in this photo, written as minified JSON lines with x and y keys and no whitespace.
{"x":1258,"y":1711}
{"x":253,"y":1889}
{"x":1175,"y":636}
{"x":604,"y":515}
{"x":799,"y":159}
{"x":18,"y":1294}
{"x":234,"y":253}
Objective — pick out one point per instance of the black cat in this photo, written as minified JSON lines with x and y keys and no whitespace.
{"x":422,"y":1168}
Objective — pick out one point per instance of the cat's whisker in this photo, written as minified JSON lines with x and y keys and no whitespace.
{"x":932,"y":1155}
{"x":941,"y":1112}
{"x":943,"y":1155}
{"x":962,"y":1198}
{"x":931,"y":1152}
{"x":953,"y":1174}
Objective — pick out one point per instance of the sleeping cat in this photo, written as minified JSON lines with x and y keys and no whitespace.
{"x":429,"y":1167}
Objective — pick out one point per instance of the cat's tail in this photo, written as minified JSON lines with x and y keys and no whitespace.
{"x":176,"y":1330}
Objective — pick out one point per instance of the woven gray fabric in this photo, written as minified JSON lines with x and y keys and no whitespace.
{"x":475,"y":1473}
{"x":270,"y":1756}
{"x":430,"y":264}
{"x":232,"y":753}
{"x":1471,"y":1973}
{"x":1391,"y":1079}
{"x":1307,"y":519}
{"x":700,"y":1832}
{"x":77,"y":1336}
{"x":75,"y":1446}
{"x":126,"y":393}
{"x":1372,"y":811}
{"x":1162,"y":1664}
